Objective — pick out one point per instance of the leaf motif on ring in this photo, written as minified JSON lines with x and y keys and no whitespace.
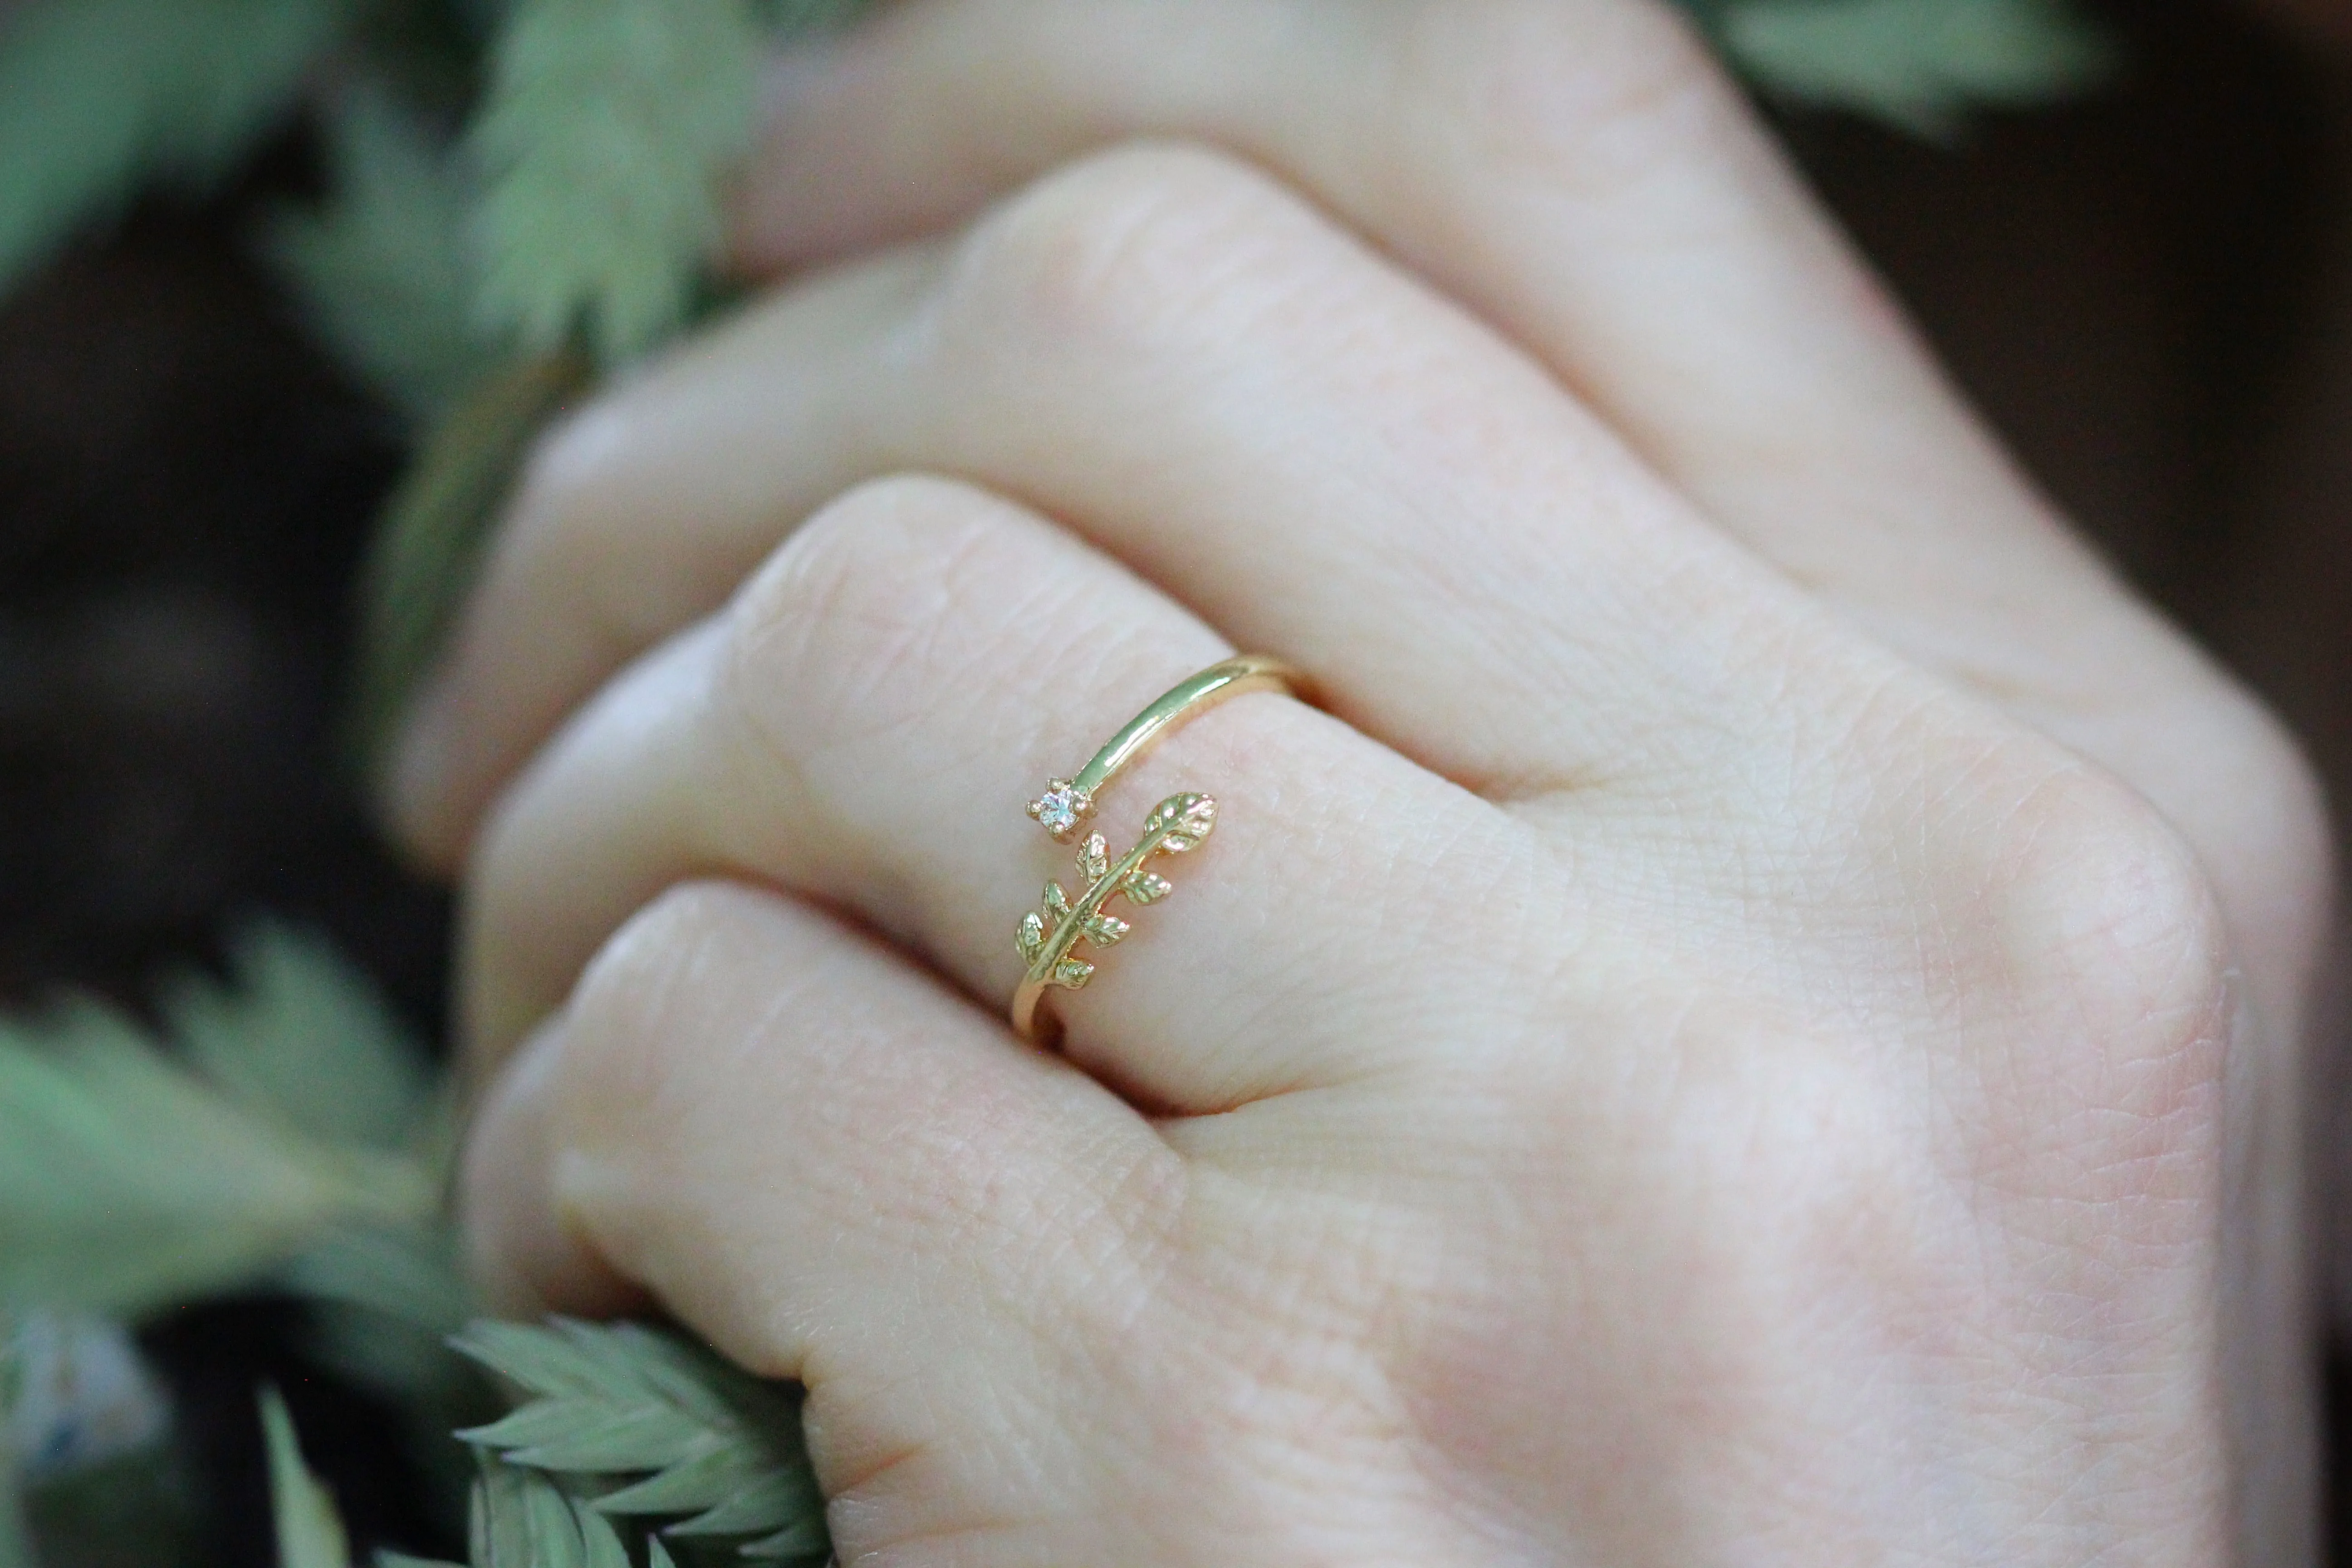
{"x":1148,"y":888}
{"x":1046,"y":937}
{"x":1179,"y":823}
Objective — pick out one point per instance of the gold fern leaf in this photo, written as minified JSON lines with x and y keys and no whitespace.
{"x":1179,"y":823}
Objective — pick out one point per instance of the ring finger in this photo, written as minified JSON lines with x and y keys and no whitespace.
{"x":861,"y":727}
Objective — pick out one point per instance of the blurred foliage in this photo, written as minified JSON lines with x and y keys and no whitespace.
{"x":629,"y":1441}
{"x":132,"y":1178}
{"x":628,"y":110}
{"x":433,"y":528}
{"x":380,"y":269}
{"x":655,"y":1427}
{"x":309,"y":1529}
{"x":99,"y":98}
{"x":1919,"y":65}
{"x":135,"y":1511}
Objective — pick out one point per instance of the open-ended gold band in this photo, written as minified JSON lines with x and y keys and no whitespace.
{"x":1049,"y":936}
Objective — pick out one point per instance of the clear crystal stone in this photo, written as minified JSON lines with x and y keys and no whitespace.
{"x":1058,"y":810}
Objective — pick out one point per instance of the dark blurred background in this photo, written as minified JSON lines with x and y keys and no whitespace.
{"x":2150,"y":294}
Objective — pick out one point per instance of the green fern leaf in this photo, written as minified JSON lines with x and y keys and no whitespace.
{"x":805,"y":1539}
{"x":686,"y":1435}
{"x":409,"y":1274}
{"x":1919,"y":65}
{"x":309,"y":1529}
{"x":98,"y":96}
{"x":609,"y":131}
{"x":303,"y":1037}
{"x":128,"y":1183}
{"x":381,"y":271}
{"x":431,"y":537}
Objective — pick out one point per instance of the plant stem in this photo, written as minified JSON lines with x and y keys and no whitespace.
{"x":1066,"y":935}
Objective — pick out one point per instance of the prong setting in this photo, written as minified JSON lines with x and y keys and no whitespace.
{"x":1063,"y":809}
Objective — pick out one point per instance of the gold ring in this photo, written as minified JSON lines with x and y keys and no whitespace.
{"x":1049,"y":936}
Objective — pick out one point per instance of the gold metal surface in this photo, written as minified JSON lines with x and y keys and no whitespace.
{"x":1048,"y":937}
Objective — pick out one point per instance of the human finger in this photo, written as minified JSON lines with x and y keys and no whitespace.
{"x":936,"y":1228}
{"x":1206,"y":378}
{"x":861,"y":727}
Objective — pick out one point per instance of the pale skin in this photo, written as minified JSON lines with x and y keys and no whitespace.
{"x":1759,"y":1025}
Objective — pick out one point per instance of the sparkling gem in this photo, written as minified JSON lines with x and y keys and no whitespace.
{"x":1059,"y":809}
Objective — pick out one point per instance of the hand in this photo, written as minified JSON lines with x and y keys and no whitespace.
{"x":1739,"y":1036}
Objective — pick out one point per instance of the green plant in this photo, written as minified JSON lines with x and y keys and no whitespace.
{"x":629,"y":1442}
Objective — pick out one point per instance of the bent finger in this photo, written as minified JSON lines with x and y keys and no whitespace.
{"x":837,"y":1171}
{"x":861,"y":728}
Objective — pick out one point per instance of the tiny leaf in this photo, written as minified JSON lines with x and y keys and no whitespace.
{"x":804,"y":1538}
{"x":1148,"y":888}
{"x":1033,"y":935}
{"x":698,"y":1484}
{"x":1103,"y":930}
{"x":1181,"y":822}
{"x":602,"y":1542}
{"x":1094,"y":859}
{"x":1058,"y":902}
{"x":774,"y":1501}
{"x":1072,"y":974}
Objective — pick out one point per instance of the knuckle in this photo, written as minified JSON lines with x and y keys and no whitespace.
{"x":2109,"y":905}
{"x":1119,"y":248}
{"x":621,"y":1024}
{"x":858,"y":609}
{"x":2115,"y":998}
{"x":636,"y":974}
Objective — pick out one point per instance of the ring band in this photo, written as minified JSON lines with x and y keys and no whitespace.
{"x":1048,"y":936}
